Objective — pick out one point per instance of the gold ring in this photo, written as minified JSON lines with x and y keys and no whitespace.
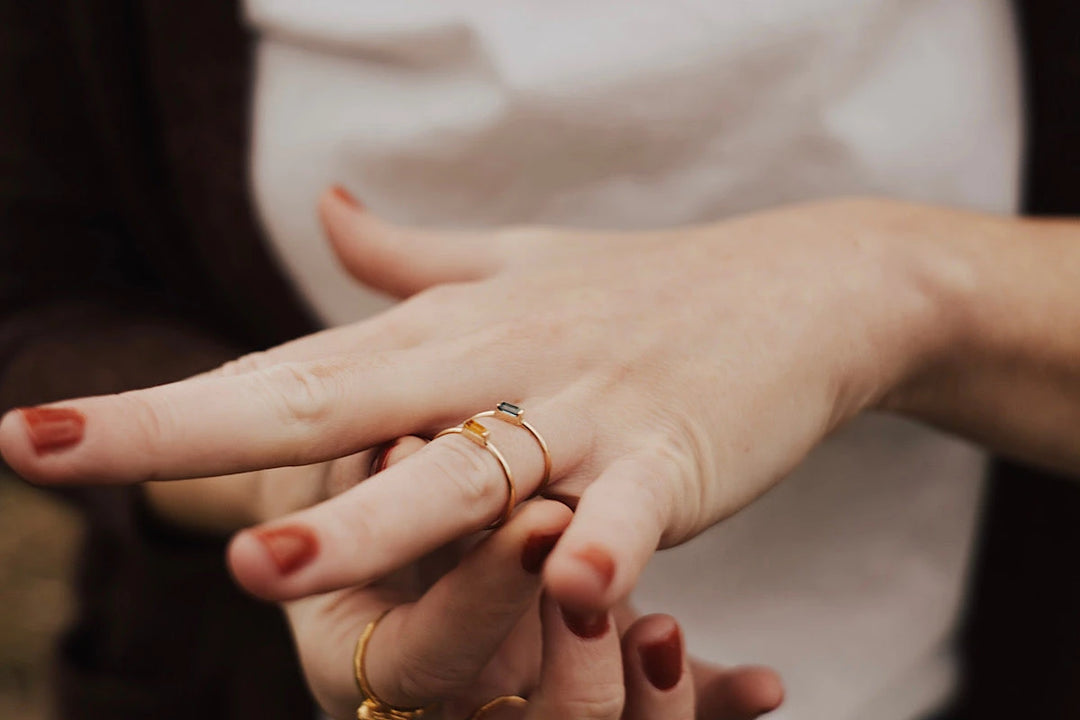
{"x":477,"y":433}
{"x":515,"y":700}
{"x":372,"y":708}
{"x":515,"y":415}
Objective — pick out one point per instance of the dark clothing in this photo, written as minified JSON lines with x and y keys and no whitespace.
{"x":130,"y":256}
{"x":1021,"y":643}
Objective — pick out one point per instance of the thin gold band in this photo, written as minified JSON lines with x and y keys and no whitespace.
{"x":515,"y":415}
{"x":372,"y":708}
{"x":516,"y":700}
{"x":478,"y":434}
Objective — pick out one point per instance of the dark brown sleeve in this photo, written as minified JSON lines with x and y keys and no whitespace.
{"x":96,"y":296}
{"x":1021,"y":641}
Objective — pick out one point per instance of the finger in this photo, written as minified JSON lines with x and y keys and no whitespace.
{"x":326,"y":629}
{"x":399,"y":260}
{"x":737,"y":693}
{"x":581,"y":675}
{"x":326,"y":626}
{"x":288,"y":414}
{"x":658,"y":680}
{"x":617,"y":526}
{"x":448,"y":489}
{"x":439,"y":646}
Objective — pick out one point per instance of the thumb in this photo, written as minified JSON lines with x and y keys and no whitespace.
{"x":399,"y":260}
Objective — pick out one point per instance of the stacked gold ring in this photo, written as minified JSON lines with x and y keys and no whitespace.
{"x":477,"y":433}
{"x":514,"y":700}
{"x":515,"y":415}
{"x":372,"y":708}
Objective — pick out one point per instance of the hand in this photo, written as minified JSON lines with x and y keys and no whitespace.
{"x":585,"y":679}
{"x":655,"y":364}
{"x":462,"y":636}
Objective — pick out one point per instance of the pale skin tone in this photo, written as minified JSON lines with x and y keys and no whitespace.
{"x":461,"y":633}
{"x":676,"y":376}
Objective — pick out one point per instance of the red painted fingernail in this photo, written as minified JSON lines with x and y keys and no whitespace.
{"x":661,"y":660}
{"x":290,"y":547}
{"x":346,"y":197}
{"x":586,"y":625}
{"x":536,"y":550}
{"x":600,"y":561}
{"x":379,"y":462}
{"x":53,"y":428}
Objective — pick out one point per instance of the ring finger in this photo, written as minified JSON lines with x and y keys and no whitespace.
{"x":448,"y":489}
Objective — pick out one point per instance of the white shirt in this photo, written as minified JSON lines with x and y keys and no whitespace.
{"x":847,"y":577}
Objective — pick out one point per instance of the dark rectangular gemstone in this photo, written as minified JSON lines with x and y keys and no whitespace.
{"x":508,"y":408}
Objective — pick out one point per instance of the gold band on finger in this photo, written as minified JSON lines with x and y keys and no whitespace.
{"x":478,"y":434}
{"x":515,"y":415}
{"x":373,"y":708}
{"x":515,"y":700}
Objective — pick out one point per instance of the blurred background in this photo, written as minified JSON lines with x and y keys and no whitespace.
{"x":37,"y":547}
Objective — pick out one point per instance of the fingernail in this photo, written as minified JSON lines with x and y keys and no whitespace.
{"x":536,"y":550}
{"x":290,"y":547}
{"x":53,"y":428}
{"x":586,"y":625}
{"x":346,"y":197}
{"x":662,"y":660}
{"x":600,"y":561}
{"x":379,"y":462}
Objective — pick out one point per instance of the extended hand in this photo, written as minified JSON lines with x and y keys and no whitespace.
{"x":675,"y":376}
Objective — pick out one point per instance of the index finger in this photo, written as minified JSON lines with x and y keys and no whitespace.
{"x":293,"y":413}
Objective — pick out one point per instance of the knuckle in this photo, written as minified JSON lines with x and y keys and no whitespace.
{"x":604,"y":701}
{"x":298,"y":391}
{"x":676,"y":461}
{"x":252,"y":362}
{"x":420,"y":680}
{"x":468,"y":472}
{"x":152,"y":421}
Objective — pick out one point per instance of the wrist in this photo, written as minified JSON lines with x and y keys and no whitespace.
{"x":939,"y":269}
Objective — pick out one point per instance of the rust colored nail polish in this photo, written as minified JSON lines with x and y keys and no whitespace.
{"x":662,"y":660}
{"x":290,"y":547}
{"x":346,"y":197}
{"x":382,"y":458}
{"x":536,"y":550}
{"x":53,"y":428}
{"x":587,"y":625}
{"x":599,"y":560}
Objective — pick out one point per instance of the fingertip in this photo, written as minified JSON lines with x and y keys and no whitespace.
{"x":766,"y":689}
{"x":253,"y":566}
{"x":14,"y":444}
{"x":751,"y":691}
{"x":337,"y":198}
{"x":657,"y":641}
{"x":341,"y":194}
{"x":34,"y":443}
{"x":582,"y":578}
{"x":650,"y":628}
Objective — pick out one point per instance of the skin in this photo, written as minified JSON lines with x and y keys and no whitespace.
{"x":461,"y":636}
{"x":653,"y":363}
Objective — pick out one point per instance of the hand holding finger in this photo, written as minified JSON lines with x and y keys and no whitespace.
{"x":581,"y":675}
{"x":447,"y":489}
{"x":442,"y":646}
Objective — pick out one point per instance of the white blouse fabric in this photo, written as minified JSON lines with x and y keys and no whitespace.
{"x":632,"y":114}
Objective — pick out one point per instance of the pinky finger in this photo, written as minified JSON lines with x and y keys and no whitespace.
{"x":736,"y":693}
{"x":616,"y":529}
